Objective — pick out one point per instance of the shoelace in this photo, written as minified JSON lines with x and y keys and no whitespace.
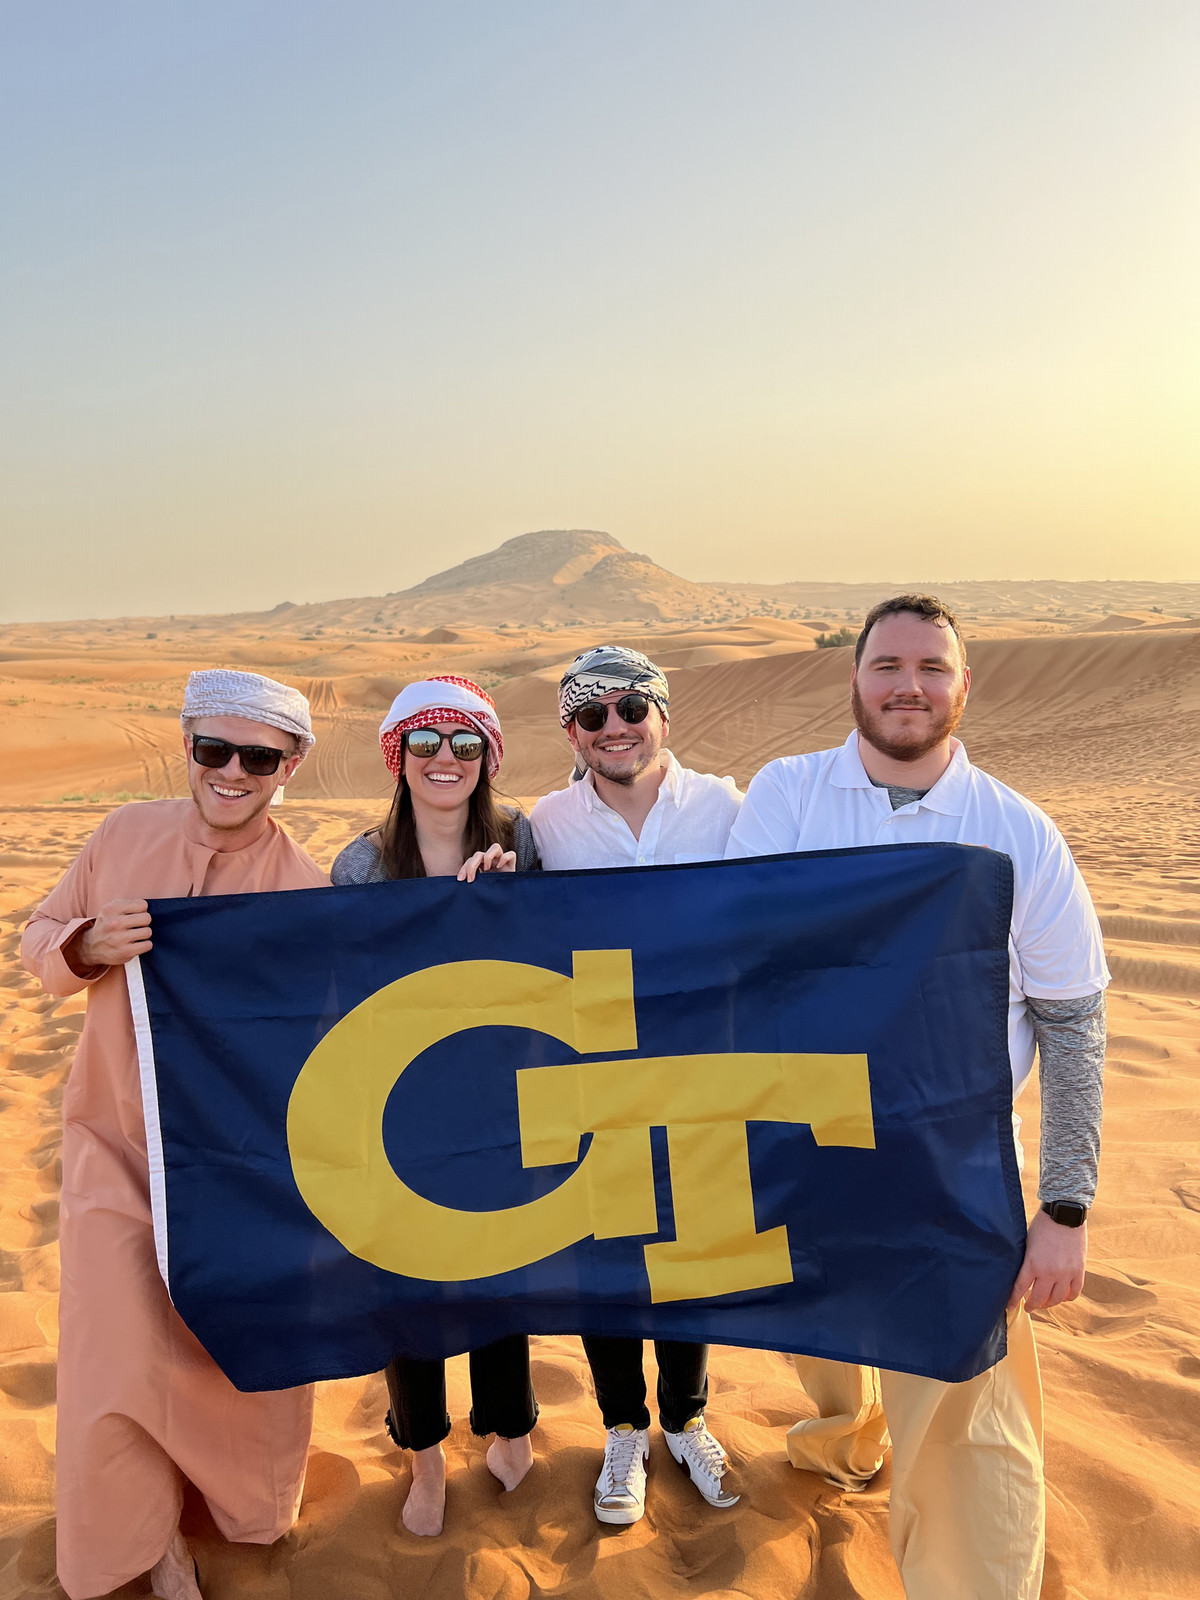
{"x":618,"y":1460}
{"x":702,"y":1444}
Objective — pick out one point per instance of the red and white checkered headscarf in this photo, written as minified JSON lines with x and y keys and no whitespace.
{"x":442,"y":699}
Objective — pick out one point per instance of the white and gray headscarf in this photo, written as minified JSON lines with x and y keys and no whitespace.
{"x":604,"y":670}
{"x":223,"y":692}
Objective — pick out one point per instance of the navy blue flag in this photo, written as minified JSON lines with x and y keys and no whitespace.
{"x":759,"y":1103}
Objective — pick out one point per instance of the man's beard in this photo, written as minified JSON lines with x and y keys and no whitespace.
{"x":625,"y":776}
{"x":915,"y":744}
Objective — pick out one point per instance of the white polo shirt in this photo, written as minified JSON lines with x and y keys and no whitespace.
{"x":826,"y":801}
{"x":689,"y":821}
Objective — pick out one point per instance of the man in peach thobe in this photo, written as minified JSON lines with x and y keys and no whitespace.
{"x":141,"y":1406}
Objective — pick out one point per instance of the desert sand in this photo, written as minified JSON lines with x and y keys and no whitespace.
{"x":1091,"y":709}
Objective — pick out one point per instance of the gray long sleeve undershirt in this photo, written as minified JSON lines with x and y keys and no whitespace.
{"x":1070,"y":1041}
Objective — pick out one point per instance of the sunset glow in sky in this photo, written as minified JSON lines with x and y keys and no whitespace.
{"x":301,"y":300}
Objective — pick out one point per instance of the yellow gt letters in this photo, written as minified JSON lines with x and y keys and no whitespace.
{"x":335,"y":1130}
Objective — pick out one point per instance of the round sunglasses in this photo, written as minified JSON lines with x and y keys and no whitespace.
{"x":426,"y":742}
{"x":593,"y":714}
{"x":258,"y":760}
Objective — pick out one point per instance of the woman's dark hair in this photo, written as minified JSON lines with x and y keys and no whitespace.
{"x":487,"y":823}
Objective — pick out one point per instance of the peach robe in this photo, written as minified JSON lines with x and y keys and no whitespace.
{"x":141,"y":1406}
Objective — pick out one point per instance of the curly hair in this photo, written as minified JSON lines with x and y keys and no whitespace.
{"x":919,"y":605}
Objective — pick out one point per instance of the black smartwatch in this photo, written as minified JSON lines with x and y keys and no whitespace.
{"x":1067,"y":1213}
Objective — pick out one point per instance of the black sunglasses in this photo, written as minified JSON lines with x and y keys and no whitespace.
{"x":426,"y":742}
{"x":258,"y":760}
{"x":593,"y":714}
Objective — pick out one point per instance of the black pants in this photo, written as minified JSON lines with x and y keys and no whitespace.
{"x":501,"y":1395}
{"x":621,"y":1384}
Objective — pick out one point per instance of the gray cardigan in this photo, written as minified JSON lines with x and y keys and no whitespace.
{"x":359,"y":862}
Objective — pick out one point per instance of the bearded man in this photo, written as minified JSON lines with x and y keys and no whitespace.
{"x":635,"y":805}
{"x":141,"y":1406}
{"x":968,"y":1497}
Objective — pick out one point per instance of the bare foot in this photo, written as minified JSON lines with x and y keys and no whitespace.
{"x":510,"y":1459}
{"x":174,"y":1576}
{"x":425,"y":1509}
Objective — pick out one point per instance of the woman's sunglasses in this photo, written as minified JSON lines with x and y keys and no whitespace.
{"x":593,"y":714}
{"x":426,"y":742}
{"x":258,"y":760}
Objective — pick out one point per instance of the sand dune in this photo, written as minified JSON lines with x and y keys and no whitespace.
{"x":87,"y":720}
{"x":1044,"y":710}
{"x":1102,"y":727}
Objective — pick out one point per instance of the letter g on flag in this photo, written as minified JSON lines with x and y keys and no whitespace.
{"x":335,"y":1130}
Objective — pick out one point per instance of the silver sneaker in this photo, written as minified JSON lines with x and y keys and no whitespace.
{"x":702,"y":1458}
{"x":620,"y":1496}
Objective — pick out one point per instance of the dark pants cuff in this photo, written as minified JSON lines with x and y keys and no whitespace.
{"x":501,"y":1395}
{"x":621,"y":1383}
{"x":502,"y":1399}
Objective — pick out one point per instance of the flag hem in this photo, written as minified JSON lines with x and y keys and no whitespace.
{"x":144,"y":1038}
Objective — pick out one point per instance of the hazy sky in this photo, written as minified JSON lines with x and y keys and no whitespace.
{"x":300,"y":300}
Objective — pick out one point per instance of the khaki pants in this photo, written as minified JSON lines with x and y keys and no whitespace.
{"x":967,"y":1513}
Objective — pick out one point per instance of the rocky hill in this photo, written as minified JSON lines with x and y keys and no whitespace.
{"x":557,"y":556}
{"x":557,"y":575}
{"x":566,"y":577}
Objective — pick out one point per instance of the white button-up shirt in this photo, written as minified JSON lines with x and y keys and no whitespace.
{"x":826,"y":801}
{"x":689,"y":821}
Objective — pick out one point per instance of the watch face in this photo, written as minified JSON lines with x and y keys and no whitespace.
{"x":1068,"y":1213}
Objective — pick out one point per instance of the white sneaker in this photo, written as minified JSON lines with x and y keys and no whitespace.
{"x":620,"y":1496}
{"x":702,"y":1458}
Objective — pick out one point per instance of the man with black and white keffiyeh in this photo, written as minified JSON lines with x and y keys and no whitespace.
{"x":636,"y":806}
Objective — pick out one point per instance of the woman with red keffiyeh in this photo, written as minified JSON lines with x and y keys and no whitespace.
{"x":442,"y":744}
